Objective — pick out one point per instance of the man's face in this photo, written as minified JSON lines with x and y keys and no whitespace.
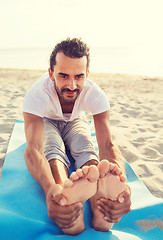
{"x":69,"y":76}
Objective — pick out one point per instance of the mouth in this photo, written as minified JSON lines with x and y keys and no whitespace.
{"x":70,"y":93}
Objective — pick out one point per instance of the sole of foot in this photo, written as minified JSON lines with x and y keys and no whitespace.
{"x":81,"y":186}
{"x":110,"y":186}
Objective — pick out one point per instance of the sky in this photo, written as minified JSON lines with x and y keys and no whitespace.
{"x":42,"y":23}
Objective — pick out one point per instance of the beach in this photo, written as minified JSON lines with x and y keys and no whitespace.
{"x":136,"y":117}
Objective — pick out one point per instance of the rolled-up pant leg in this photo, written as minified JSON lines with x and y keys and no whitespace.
{"x":77,"y":138}
{"x":54,"y":147}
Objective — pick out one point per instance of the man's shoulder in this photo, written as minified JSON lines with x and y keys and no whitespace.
{"x":91,"y":83}
{"x":37,"y":98}
{"x":41,"y":83}
{"x":43,"y":80}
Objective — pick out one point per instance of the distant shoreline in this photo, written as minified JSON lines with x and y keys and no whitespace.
{"x":91,"y":73}
{"x":135,"y":60}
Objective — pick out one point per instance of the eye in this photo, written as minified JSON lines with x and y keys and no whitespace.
{"x":78,"y":77}
{"x":63,"y":76}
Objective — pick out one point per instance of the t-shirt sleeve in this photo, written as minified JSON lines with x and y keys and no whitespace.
{"x":97,"y":101}
{"x":35,"y":103}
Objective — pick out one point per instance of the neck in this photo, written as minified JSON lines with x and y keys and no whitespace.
{"x":67,"y":107}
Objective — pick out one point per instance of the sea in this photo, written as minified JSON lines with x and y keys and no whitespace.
{"x":141,"y":60}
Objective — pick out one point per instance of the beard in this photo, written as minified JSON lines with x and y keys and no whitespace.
{"x":67,"y":99}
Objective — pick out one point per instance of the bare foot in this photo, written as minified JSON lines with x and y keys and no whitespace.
{"x":81,"y":186}
{"x":110,"y":186}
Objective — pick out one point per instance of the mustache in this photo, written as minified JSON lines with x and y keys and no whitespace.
{"x":68,"y":90}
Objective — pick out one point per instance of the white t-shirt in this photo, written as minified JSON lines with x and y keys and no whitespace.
{"x":42,"y":100}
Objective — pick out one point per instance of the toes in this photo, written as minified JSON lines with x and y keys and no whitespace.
{"x":106,"y":167}
{"x":103,"y":167}
{"x":67,"y":183}
{"x":114,"y":169}
{"x":79,"y":172}
{"x":93,"y":173}
{"x":85,"y":170}
{"x":123,"y":178}
{"x":112,"y":166}
{"x":90,"y":172}
{"x":74,"y":176}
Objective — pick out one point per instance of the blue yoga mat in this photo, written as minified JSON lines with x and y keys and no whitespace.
{"x":23,"y":211}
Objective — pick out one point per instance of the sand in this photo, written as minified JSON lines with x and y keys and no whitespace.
{"x":136,"y":117}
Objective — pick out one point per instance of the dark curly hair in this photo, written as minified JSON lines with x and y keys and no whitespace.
{"x":73,"y":48}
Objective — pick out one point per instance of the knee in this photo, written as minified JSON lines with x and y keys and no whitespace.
{"x":80,"y":143}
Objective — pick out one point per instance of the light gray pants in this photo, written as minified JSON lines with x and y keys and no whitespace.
{"x":74,"y":135}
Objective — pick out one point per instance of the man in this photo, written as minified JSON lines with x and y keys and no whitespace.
{"x":53,"y":115}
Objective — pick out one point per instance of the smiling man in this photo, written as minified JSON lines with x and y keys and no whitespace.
{"x":54,"y":120}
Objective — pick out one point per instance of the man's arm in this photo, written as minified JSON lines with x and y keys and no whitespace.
{"x":112,"y":210}
{"x":37,"y":165}
{"x":39,"y":168}
{"x":107,"y":150}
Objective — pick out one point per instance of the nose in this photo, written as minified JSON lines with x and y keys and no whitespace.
{"x":72,"y":84}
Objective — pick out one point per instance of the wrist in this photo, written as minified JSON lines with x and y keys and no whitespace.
{"x":47,"y":185}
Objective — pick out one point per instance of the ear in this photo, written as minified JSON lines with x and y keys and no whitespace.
{"x":50,"y":74}
{"x":87,"y":73}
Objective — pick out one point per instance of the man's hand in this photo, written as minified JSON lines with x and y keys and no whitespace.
{"x":114,"y":210}
{"x":63,"y":215}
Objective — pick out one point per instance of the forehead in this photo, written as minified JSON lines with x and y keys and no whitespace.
{"x":66,"y":64}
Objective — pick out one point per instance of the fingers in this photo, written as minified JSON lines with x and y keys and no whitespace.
{"x":114,"y":206}
{"x":67,"y":222}
{"x":55,"y":194}
{"x":110,"y":220}
{"x":112,"y":213}
{"x":60,"y":199}
{"x":65,"y":225}
{"x":66,"y":212}
{"x":124,"y":196}
{"x":114,"y":210}
{"x":64,"y":216}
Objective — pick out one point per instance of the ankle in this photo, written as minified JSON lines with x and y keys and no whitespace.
{"x":91,"y":162}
